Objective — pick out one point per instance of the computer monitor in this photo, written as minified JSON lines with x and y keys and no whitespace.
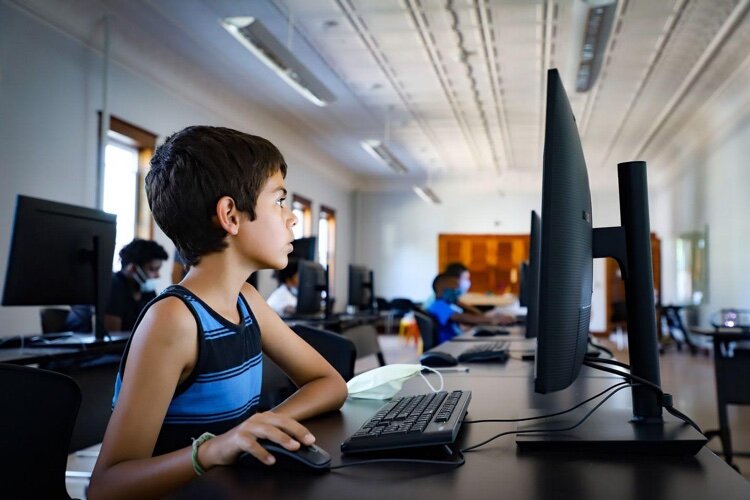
{"x":361,"y":288}
{"x":523,"y":271}
{"x":304,"y":248}
{"x":312,"y":291}
{"x":531,"y":280}
{"x":568,"y":244}
{"x":60,"y":254}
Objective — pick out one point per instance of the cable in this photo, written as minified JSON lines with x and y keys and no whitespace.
{"x":546,"y":431}
{"x":665,"y":399}
{"x":608,"y":362}
{"x":600,"y":347}
{"x":405,"y":460}
{"x":546,"y":416}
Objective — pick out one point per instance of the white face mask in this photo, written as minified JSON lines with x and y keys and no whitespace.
{"x":384,"y":382}
{"x":464,"y":285}
{"x":147,"y":284}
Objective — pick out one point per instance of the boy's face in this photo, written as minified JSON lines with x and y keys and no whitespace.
{"x":268,"y":239}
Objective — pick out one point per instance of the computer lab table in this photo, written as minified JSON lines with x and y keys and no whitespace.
{"x":495,"y":471}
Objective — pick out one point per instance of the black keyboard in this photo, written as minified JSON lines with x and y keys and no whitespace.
{"x":412,"y":421}
{"x":491,"y":351}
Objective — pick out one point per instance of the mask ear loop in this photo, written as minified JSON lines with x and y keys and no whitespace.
{"x":440,"y":375}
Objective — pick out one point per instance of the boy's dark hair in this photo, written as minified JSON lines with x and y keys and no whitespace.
{"x":455,"y":269}
{"x":441,"y":281}
{"x":140,"y":252}
{"x":193,"y":169}
{"x":290,"y":270}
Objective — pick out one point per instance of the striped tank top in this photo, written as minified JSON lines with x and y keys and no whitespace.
{"x":224,"y":387}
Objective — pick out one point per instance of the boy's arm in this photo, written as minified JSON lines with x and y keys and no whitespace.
{"x":321,"y":388}
{"x":475,"y":319}
{"x":162,"y":353}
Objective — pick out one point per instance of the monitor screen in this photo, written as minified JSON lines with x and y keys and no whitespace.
{"x":312,"y":289}
{"x":568,"y":246}
{"x":304,"y":248}
{"x":565,"y":264}
{"x":361,"y":292}
{"x":60,"y":255}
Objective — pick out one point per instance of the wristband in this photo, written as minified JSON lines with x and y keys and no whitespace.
{"x":196,"y":443}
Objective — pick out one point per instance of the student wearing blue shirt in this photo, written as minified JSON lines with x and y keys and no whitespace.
{"x":192,"y":368}
{"x":448,"y":314}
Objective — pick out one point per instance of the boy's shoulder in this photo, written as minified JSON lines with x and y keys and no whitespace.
{"x":169,"y":313}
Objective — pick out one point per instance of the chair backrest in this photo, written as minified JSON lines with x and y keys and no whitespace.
{"x":427,"y":329}
{"x":401,"y":305}
{"x":336,"y":349}
{"x":53,"y":319}
{"x":36,"y":422}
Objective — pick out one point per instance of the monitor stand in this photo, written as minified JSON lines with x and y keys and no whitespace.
{"x":609,"y":431}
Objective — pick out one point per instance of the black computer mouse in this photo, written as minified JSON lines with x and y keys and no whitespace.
{"x":484,"y":332}
{"x":306,"y":457}
{"x":435,"y":359}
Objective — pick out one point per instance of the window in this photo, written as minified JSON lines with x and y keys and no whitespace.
{"x":302,"y":209}
{"x":126,"y":156}
{"x":327,"y":242}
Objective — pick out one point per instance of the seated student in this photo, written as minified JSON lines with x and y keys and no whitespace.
{"x":448,"y":314}
{"x":192,"y":368}
{"x":283,"y":300}
{"x":133,"y":286}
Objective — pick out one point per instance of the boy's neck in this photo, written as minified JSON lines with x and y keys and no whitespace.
{"x":217,"y":280}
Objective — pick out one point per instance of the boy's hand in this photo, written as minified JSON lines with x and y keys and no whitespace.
{"x":225,"y":448}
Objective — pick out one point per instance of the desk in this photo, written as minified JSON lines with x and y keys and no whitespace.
{"x":482,"y":299}
{"x":497,"y":471}
{"x":732,"y":372}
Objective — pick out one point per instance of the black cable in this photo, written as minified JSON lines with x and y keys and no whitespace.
{"x":545,"y":416}
{"x":608,"y":362}
{"x":600,"y":347}
{"x":665,"y":399}
{"x":403,"y":460}
{"x":547,"y":431}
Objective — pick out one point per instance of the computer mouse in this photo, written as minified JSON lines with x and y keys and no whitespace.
{"x":484,"y":332}
{"x":435,"y":359}
{"x":311,"y":457}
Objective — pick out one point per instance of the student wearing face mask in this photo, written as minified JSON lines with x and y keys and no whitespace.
{"x":283,"y":300}
{"x":134,"y":285}
{"x":448,"y":313}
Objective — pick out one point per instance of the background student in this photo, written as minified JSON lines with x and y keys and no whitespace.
{"x":133,"y":286}
{"x":283,"y":300}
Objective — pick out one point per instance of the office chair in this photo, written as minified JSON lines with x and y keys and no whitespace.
{"x":53,"y":319}
{"x":37,"y":422}
{"x":428,"y":330}
{"x":338,"y":350}
{"x":365,"y":340}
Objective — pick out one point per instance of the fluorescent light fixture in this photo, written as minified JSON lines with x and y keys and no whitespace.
{"x":258,"y":40}
{"x":427,"y":195}
{"x":382,"y":153}
{"x":596,"y":33}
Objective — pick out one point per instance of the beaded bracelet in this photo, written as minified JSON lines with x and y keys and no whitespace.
{"x":196,"y":443}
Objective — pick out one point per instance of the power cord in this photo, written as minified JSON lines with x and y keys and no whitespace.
{"x":546,"y":431}
{"x":545,"y":416}
{"x":665,"y":398}
{"x":608,"y":362}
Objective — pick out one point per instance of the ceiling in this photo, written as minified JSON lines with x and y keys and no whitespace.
{"x":456,"y":87}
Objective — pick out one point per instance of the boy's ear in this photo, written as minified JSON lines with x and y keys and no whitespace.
{"x":227,"y":215}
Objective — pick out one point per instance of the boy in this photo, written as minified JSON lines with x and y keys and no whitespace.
{"x":448,"y":313}
{"x":192,"y":365}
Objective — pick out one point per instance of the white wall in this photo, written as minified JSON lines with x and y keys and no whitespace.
{"x":50,"y":92}
{"x":711,"y":188}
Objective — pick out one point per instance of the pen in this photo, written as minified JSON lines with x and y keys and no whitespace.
{"x":453,"y":369}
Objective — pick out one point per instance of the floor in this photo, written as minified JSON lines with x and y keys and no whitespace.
{"x":688,"y":378}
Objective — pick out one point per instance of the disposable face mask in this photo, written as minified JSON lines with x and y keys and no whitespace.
{"x":386,"y":381}
{"x":451,"y":295}
{"x":147,"y":285}
{"x":293,"y":290}
{"x":464,"y":285}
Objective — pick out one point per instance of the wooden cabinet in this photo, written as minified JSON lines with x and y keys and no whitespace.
{"x":492,"y":259}
{"x":615,"y":288}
